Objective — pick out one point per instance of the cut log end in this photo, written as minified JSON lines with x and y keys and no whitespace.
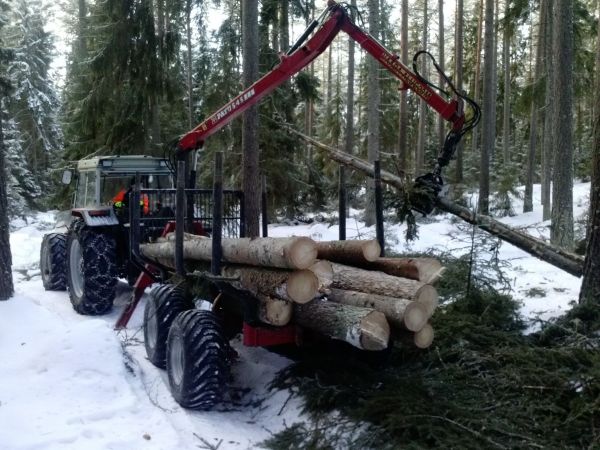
{"x":424,"y":337}
{"x":375,"y":332}
{"x":415,"y":316}
{"x":303,"y":253}
{"x":427,"y":296}
{"x":371,"y":250}
{"x":302,"y":286}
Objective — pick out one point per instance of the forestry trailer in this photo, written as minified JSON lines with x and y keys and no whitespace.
{"x":209,"y":289}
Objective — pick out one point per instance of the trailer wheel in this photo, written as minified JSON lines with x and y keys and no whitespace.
{"x":164,"y":304}
{"x":53,"y":262}
{"x":197,"y":363}
{"x":92,"y":269}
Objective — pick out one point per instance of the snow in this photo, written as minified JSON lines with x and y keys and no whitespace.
{"x":72,"y":382}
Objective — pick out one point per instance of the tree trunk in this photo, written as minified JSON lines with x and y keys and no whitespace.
{"x":590,"y":285}
{"x":533,"y":123}
{"x":488,"y":115}
{"x":425,"y":270}
{"x":349,"y":132}
{"x":361,"y":327}
{"x":403,"y":125}
{"x":400,"y":312}
{"x":6,"y":280}
{"x":338,"y":276}
{"x":459,"y":81}
{"x":477,"y":79}
{"x":189,"y":86}
{"x":250,"y":151}
{"x":441,"y":123}
{"x":506,"y":102}
{"x":421,"y":135}
{"x":284,"y":253}
{"x":561,"y":230}
{"x":351,"y":252}
{"x":373,"y":102}
{"x":548,"y":143}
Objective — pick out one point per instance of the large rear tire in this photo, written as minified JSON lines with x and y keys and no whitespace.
{"x":197,"y":363}
{"x":164,"y":304}
{"x":53,"y":262}
{"x":92,"y":269}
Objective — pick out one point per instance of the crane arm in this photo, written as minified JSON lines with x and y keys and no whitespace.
{"x":334,"y":19}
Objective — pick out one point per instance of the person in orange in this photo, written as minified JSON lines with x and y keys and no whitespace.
{"x":120,"y":200}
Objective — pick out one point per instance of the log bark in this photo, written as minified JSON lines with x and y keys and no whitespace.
{"x":361,"y":327}
{"x":299,"y":286}
{"x":337,"y":276}
{"x":400,"y":312}
{"x":349,"y":252}
{"x":566,"y":261}
{"x":425,"y":270}
{"x":283,"y":253}
{"x":274,"y":311}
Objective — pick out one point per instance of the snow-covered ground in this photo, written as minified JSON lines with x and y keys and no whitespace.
{"x":72,"y":382}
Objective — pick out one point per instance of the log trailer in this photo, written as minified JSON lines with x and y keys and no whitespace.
{"x":270,"y":289}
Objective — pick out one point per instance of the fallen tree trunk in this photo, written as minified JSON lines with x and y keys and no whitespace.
{"x":338,"y":276}
{"x":569,"y":262}
{"x":284,"y":253}
{"x":566,"y":261}
{"x":400,"y":312}
{"x":361,"y":327}
{"x":300,"y":286}
{"x":421,"y":339}
{"x":349,"y":252}
{"x":425,"y":270}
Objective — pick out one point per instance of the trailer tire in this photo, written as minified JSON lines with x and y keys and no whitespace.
{"x":163,"y":305}
{"x":197,"y":363}
{"x":53,"y":261}
{"x":92,"y":269}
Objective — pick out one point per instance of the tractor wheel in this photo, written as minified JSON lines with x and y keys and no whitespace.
{"x":53,"y":262}
{"x":164,"y":304}
{"x":197,"y":363}
{"x":92,"y":274}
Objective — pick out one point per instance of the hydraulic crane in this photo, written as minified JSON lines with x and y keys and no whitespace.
{"x":314,"y":41}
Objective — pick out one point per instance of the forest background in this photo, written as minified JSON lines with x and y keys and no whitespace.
{"x":139,"y":73}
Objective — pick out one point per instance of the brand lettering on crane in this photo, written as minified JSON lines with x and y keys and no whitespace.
{"x":413,"y":83}
{"x":232,"y":106}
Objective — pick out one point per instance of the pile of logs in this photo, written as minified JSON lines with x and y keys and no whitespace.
{"x":341,"y":289}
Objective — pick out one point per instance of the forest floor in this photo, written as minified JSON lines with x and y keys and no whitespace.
{"x":72,"y":382}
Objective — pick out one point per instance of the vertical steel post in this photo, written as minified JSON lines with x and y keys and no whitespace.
{"x":263,"y":206}
{"x":180,"y":217}
{"x":217,"y":221}
{"x":191,"y":184}
{"x":379,"y":207}
{"x":342,"y":203}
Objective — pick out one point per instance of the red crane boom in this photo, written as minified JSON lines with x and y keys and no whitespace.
{"x":333,"y":20}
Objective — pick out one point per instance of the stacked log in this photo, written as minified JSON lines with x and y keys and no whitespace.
{"x":341,"y":289}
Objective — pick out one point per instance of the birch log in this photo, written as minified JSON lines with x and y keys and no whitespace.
{"x":338,"y":276}
{"x":284,"y":253}
{"x":400,"y":312}
{"x":300,"y":286}
{"x":349,"y":252}
{"x":425,"y":270}
{"x":361,"y":327}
